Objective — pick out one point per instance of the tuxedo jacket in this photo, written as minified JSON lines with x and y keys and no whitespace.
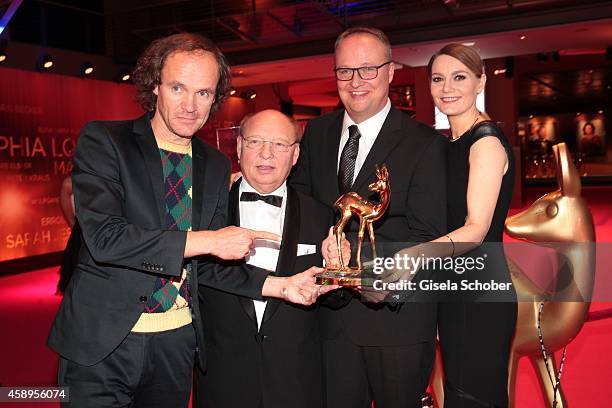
{"x":280,"y":363}
{"x":415,"y":155}
{"x":118,"y":186}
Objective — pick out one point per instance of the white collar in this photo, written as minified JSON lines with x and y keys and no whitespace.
{"x":369,"y":126}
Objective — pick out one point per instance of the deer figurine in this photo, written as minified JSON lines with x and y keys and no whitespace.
{"x":560,"y":219}
{"x":367,"y":211}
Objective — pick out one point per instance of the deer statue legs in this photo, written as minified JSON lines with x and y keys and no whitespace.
{"x":338,"y":230}
{"x":362,"y":225}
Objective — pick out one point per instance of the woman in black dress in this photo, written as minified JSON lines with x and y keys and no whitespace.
{"x":476,"y":327}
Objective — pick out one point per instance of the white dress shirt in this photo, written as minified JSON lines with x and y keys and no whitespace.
{"x":258,"y":215}
{"x":369,"y":130}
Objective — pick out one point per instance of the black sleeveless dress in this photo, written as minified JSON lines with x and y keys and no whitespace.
{"x":476,"y":326}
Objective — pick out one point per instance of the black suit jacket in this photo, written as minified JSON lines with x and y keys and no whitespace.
{"x":281,"y":362}
{"x":415,"y":155}
{"x":119,"y":197}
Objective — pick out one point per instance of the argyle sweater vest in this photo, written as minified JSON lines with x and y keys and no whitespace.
{"x":167,"y":307}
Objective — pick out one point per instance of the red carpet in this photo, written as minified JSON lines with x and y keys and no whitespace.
{"x":28,"y":305}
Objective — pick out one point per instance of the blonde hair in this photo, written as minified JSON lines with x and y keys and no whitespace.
{"x":375,"y":32}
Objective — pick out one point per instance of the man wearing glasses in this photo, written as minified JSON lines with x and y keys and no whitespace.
{"x":266,"y":353}
{"x":374,"y":352}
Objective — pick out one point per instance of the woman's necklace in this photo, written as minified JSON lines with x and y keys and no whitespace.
{"x":471,"y":127}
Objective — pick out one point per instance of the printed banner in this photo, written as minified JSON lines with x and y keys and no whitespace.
{"x":40,"y":118}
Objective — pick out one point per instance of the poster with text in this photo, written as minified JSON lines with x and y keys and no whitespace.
{"x":40,"y":119}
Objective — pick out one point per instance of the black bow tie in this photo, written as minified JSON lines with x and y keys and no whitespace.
{"x":274,"y":200}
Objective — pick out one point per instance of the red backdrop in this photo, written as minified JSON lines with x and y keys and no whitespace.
{"x":40,"y":118}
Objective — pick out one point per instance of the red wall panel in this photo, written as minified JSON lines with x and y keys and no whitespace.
{"x":40,"y":118}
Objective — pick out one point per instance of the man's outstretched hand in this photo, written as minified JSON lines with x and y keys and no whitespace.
{"x":299,"y":289}
{"x":226,"y":243}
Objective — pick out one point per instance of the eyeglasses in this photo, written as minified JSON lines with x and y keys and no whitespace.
{"x":256,"y":144}
{"x":346,"y":74}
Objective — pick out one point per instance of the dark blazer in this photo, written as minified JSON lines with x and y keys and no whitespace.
{"x":415,"y":155}
{"x":119,"y":197}
{"x":281,"y":362}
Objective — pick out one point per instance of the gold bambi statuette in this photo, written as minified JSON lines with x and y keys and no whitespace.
{"x":368,"y":212}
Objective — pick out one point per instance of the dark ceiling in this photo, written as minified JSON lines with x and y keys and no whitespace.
{"x":259,"y":30}
{"x":272,"y":30}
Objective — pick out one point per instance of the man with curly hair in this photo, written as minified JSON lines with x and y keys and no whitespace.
{"x":151,"y":201}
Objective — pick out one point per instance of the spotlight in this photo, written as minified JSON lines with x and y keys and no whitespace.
{"x":44,"y":63}
{"x":3,"y":47}
{"x":123,"y":76}
{"x":233,"y":92}
{"x":250,"y":94}
{"x":522,"y":37}
{"x":87,"y":69}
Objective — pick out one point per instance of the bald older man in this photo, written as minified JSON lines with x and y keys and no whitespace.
{"x":266,"y":354}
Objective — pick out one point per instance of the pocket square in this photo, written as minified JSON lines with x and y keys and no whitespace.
{"x":306,"y":249}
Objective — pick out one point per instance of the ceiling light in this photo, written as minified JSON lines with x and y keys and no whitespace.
{"x":232,"y":92}
{"x":249,"y":94}
{"x":44,"y":62}
{"x":3,"y":47}
{"x":87,"y":69}
{"x":123,"y":76}
{"x":522,"y":37}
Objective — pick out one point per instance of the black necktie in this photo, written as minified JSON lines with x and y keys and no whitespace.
{"x":346,"y":169}
{"x":274,"y":200}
